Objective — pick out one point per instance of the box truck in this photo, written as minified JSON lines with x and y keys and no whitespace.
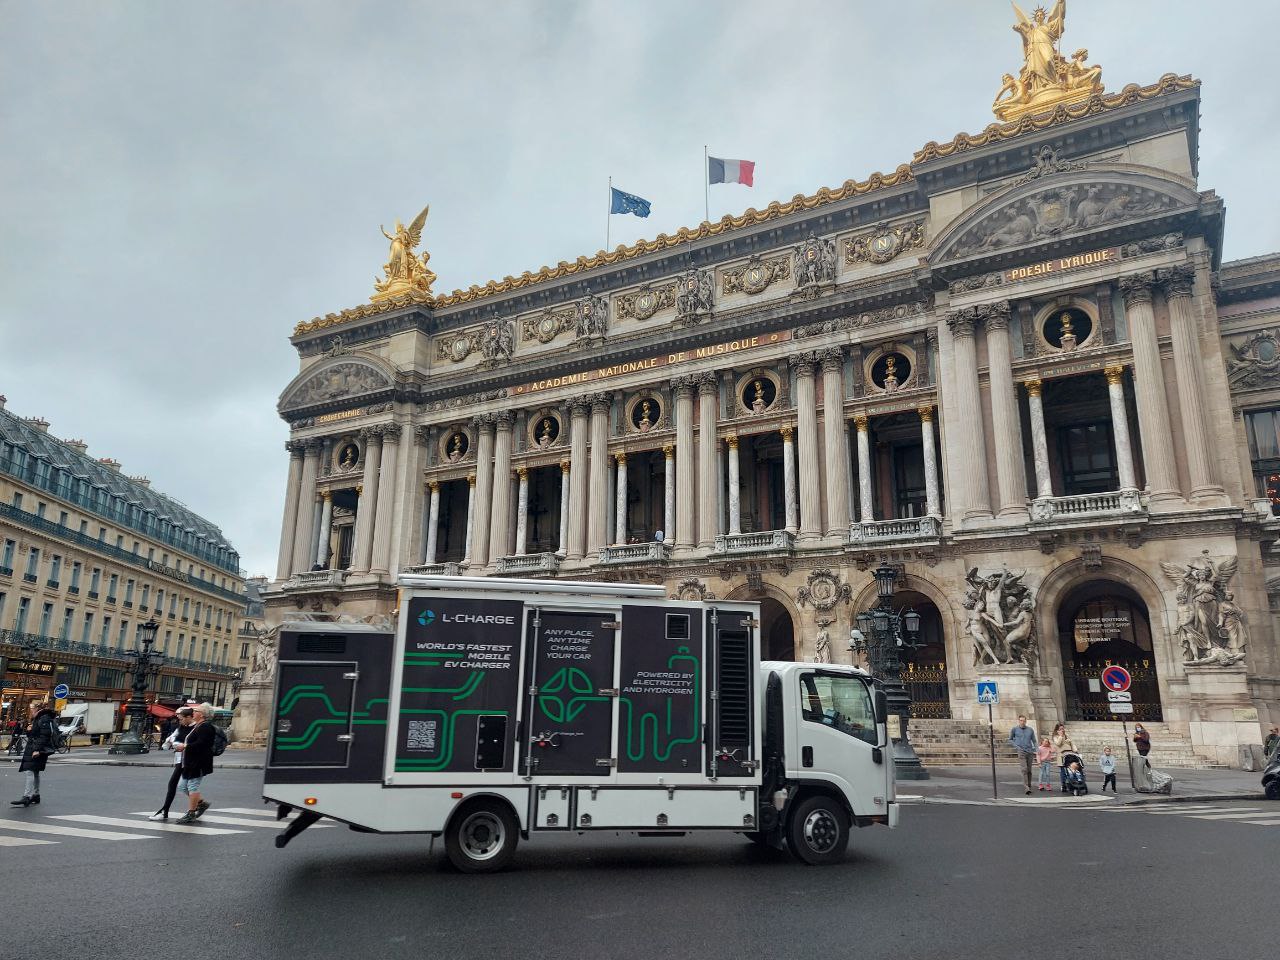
{"x":501,"y":709}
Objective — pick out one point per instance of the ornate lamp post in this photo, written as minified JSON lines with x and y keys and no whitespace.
{"x":882,"y":634}
{"x":144,"y":664}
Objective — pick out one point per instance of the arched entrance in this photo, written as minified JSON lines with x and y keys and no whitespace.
{"x":777,"y":631}
{"x":1100,"y":623}
{"x":924,"y":671}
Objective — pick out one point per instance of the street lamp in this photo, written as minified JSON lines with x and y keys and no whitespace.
{"x":144,"y":662}
{"x":882,"y":633}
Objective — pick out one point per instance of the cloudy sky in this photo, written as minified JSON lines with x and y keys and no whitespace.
{"x":181,"y":182}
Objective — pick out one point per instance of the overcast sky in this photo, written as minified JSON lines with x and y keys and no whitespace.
{"x":183,"y":182}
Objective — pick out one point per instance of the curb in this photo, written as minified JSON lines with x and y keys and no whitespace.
{"x":95,"y":762}
{"x":1193,"y":798}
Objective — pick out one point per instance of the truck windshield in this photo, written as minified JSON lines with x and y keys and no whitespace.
{"x":840,"y":702}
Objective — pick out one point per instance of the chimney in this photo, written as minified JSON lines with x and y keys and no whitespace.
{"x":110,"y":464}
{"x":79,"y":446}
{"x":141,"y":481}
{"x":40,"y":423}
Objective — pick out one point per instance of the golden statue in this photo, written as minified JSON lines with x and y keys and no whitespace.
{"x":1046,"y":78}
{"x":406,"y":271}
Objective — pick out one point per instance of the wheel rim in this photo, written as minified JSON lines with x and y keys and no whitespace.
{"x":821,"y":831}
{"x":482,"y":835}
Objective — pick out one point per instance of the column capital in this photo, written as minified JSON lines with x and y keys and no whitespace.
{"x":522,"y":473}
{"x":565,"y":465}
{"x":390,"y":433}
{"x":788,"y":433}
{"x":995,"y":316}
{"x":1033,"y":386}
{"x":1176,"y":281}
{"x":620,"y":457}
{"x":732,"y":441}
{"x":601,"y":402}
{"x":962,"y":322}
{"x":471,"y":479}
{"x":1136,"y":288}
{"x":708,"y":383}
{"x":1115,"y":373}
{"x":359,"y":489}
{"x":371,"y":434}
{"x":668,"y":451}
{"x":433,"y":485}
{"x":803,"y":363}
{"x":926,"y":414}
{"x":579,"y":407}
{"x":421,"y":436}
{"x":505,"y":419}
{"x":325,"y":494}
{"x":860,"y":421}
{"x":682,"y":386}
{"x":296,"y":448}
{"x":312,"y":446}
{"x":832,"y":359}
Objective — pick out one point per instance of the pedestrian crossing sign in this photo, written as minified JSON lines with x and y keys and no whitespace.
{"x":988,"y":691}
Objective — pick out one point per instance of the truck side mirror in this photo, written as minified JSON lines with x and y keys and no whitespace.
{"x":882,"y":706}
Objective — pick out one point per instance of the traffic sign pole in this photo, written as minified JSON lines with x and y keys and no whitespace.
{"x":1124,"y":725}
{"x":991,"y":730}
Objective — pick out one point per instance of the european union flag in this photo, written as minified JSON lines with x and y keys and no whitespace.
{"x":628,"y":203}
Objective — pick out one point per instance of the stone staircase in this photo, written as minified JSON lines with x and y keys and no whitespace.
{"x":963,"y":742}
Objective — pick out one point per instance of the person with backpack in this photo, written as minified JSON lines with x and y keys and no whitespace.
{"x":204,"y":741}
{"x":185,"y":717}
{"x":43,"y":740}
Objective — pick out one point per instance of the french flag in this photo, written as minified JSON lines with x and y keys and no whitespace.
{"x":730,"y":171}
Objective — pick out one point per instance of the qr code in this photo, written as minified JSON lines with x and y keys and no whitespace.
{"x":422,"y":735}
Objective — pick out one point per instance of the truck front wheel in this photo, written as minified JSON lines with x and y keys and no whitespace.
{"x":818,"y":832}
{"x":482,"y":837}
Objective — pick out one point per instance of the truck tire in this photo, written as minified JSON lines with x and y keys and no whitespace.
{"x":1273,"y":789}
{"x":818,"y":831}
{"x":482,"y":837}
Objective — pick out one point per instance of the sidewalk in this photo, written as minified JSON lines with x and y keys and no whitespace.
{"x":232,"y":759}
{"x":972,"y":784}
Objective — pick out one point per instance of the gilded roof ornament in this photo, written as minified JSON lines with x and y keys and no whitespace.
{"x":1046,"y":78}
{"x":406,"y":271}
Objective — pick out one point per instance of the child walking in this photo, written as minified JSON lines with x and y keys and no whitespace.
{"x":1107,"y":763}
{"x":1044,"y":756}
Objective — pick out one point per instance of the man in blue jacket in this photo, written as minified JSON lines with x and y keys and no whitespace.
{"x":1023,"y":739}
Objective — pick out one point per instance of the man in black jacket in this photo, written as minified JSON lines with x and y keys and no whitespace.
{"x":197,"y":762}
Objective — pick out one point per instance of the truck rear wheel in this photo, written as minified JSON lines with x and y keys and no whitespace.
{"x":482,"y":837}
{"x":818,"y":832}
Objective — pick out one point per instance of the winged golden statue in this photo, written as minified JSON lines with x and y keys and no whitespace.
{"x":406,"y":271}
{"x":1046,"y":78}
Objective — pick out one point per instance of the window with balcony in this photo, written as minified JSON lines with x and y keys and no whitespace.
{"x":182,"y":642}
{"x":95,"y":581}
{"x":1263,"y":430}
{"x":2,"y":599}
{"x":186,"y":609}
{"x":146,"y":596}
{"x":244,"y":651}
{"x":55,"y":570}
{"x":17,"y":500}
{"x":67,"y":616}
{"x":74,"y":586}
{"x":46,"y":619}
{"x":62,"y":519}
{"x":20,"y":621}
{"x":123,"y":635}
{"x":40,"y":509}
{"x":112,"y":585}
{"x":173,"y":604}
{"x":1087,"y":455}
{"x":168,"y":641}
{"x":87,"y":631}
{"x":6,"y":560}
{"x":33,"y":565}
{"x":105,"y":637}
{"x":128,"y":593}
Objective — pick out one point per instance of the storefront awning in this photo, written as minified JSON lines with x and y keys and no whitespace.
{"x":160,"y":711}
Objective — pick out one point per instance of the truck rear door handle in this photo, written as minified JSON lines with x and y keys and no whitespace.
{"x":806,"y":756}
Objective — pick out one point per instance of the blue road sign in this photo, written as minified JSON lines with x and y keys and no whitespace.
{"x":61,"y":691}
{"x":988,"y":691}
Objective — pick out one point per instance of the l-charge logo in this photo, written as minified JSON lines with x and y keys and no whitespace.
{"x":426,"y":618}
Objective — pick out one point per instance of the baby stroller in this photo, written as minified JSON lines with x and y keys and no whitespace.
{"x":1076,"y":781}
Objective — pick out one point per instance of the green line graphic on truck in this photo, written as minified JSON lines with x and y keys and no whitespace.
{"x":315,"y":691}
{"x":448,"y":718}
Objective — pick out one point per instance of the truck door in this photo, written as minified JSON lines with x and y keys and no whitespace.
{"x":837,"y":737}
{"x":572,"y":692}
{"x":313,"y":714}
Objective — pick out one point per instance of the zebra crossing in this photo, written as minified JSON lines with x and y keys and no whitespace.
{"x":1256,"y":815}
{"x":220,"y":822}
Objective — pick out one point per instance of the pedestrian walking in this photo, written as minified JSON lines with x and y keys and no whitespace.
{"x":1272,"y":743}
{"x":184,"y":718}
{"x":1023,"y":739}
{"x":197,"y":762}
{"x":42,"y":740}
{"x":1141,"y":739}
{"x":1062,"y":746}
{"x":1107,"y":764}
{"x":1044,"y":756}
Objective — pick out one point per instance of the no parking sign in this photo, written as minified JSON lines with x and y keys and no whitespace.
{"x":1116,"y":678}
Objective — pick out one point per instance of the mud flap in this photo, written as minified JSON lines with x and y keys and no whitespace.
{"x":304,"y":819}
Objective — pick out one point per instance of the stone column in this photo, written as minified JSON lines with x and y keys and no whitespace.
{"x":367,"y":507}
{"x":669,"y":493}
{"x":484,"y":490}
{"x":289,"y":524}
{"x":433,"y":521}
{"x":522,"y":512}
{"x":1120,"y":426}
{"x":1177,"y":283}
{"x":807,"y":428}
{"x":471,"y":515}
{"x":598,"y":505}
{"x":305,"y":527}
{"x":789,"y":479}
{"x":577,"y":512}
{"x":735,"y":493}
{"x":1039,"y":443}
{"x":1148,"y":381}
{"x":382,"y":524}
{"x":975,"y":492}
{"x":563,"y":538}
{"x":932,"y":498}
{"x":682,"y":387}
{"x":620,"y":508}
{"x":708,"y":474}
{"x":500,"y":522}
{"x":866,"y":501}
{"x":326,"y":528}
{"x":836,"y":447}
{"x":1011,"y":476}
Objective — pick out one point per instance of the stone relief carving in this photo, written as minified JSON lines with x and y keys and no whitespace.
{"x":1053,"y":212}
{"x":346,"y":379}
{"x":899,"y":311}
{"x":692,"y":589}
{"x":814,"y":263}
{"x":546,"y":326}
{"x":1168,"y":241}
{"x":1255,"y":360}
{"x":458,"y":347}
{"x":591,"y":320}
{"x":645,"y":302}
{"x":823,"y":590}
{"x":695,"y":297}
{"x":755,"y":276}
{"x":497,"y":342}
{"x":1001,"y":623}
{"x":466,"y":400}
{"x":263,"y":667}
{"x":822,"y":646}
{"x":1212,"y":628}
{"x":1048,"y":162}
{"x":885,"y":243}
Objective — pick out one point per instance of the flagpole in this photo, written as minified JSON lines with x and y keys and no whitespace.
{"x":608,"y":217}
{"x":706,"y":186}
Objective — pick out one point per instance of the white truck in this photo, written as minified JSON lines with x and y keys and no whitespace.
{"x":502,"y":709}
{"x":90,"y":719}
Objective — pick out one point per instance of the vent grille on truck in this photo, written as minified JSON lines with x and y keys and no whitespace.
{"x":677,"y":626}
{"x":735,"y":687}
{"x":322,"y":643}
